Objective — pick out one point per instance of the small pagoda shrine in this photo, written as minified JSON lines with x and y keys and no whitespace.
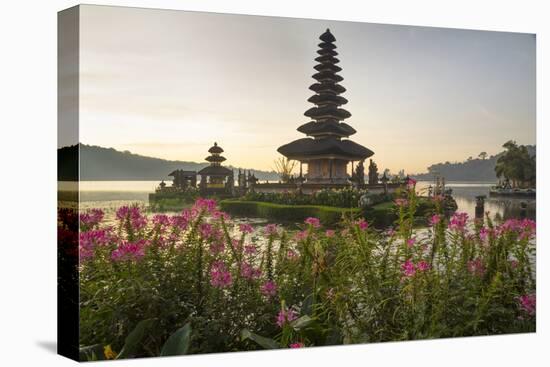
{"x":215,"y":178}
{"x":325,"y":150}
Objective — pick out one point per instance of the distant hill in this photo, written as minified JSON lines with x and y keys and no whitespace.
{"x":469,"y":170}
{"x":104,"y":164}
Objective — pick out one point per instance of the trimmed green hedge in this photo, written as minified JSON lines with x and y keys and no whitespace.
{"x":385,"y":214}
{"x":286,"y":213}
{"x":169,"y":204}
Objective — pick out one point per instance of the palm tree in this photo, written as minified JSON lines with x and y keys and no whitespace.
{"x":284,"y":167}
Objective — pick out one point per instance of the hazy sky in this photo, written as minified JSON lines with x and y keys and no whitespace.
{"x":169,"y":83}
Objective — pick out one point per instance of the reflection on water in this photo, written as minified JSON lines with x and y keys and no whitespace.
{"x":112,"y":194}
{"x":465,"y":192}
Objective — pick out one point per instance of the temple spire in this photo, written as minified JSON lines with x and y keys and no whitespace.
{"x":326,"y":153}
{"x":215,"y":158}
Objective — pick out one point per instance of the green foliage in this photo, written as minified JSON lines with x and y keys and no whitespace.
{"x":517,"y":165}
{"x":287,"y":213}
{"x":343,"y":198}
{"x":264,"y":342}
{"x":242,"y":289}
{"x":92,"y":353}
{"x":178,"y":343}
{"x":134,"y":339}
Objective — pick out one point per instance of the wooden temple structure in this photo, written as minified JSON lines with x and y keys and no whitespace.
{"x":326,"y":149}
{"x":215,"y":178}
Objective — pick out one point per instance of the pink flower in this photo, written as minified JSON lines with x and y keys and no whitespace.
{"x":363,"y":224}
{"x":89,"y":240}
{"x":129,"y":251}
{"x":330,"y":233}
{"x":514,"y":264}
{"x":217,"y":247}
{"x":390,"y":232}
{"x":410,"y":242}
{"x":206,"y":230}
{"x":91,"y":218}
{"x":400,"y":202}
{"x":269,"y":289}
{"x":161,"y":220}
{"x":286,"y":316}
{"x":250,"y":249}
{"x":296,"y":345}
{"x":314,"y":222}
{"x":438,"y":198}
{"x":179,"y":221}
{"x":411,"y":183}
{"x":208,"y":205}
{"x":133,"y":216}
{"x":301,"y":235}
{"x":526,"y":228}
{"x":484,"y":233}
{"x":408,"y":268}
{"x":271,"y":229}
{"x":219,"y":214}
{"x":458,"y":221}
{"x":291,"y":255}
{"x":435,"y":219}
{"x":220,"y":277}
{"x":423,"y":266}
{"x":246,"y":228}
{"x":476,"y":267}
{"x":528,"y":303}
{"x":249,"y":272}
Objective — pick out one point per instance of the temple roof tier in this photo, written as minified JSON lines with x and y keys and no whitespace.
{"x":327,"y":59}
{"x":327,"y":52}
{"x":216,"y":149}
{"x":327,"y":76}
{"x":320,"y":128}
{"x":327,"y":67}
{"x":327,"y":46}
{"x":327,"y":36}
{"x":327,"y":88}
{"x":324,"y":99}
{"x":327,"y":112}
{"x":308,"y":148}
{"x":215,"y":171}
{"x":214,"y":159}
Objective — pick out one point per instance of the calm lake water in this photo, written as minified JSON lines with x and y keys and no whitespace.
{"x":112,"y":194}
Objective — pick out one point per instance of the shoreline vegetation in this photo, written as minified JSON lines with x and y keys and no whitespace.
{"x":108,"y":164}
{"x":196,"y":282}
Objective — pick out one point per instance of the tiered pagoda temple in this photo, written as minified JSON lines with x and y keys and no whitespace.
{"x":215,"y":177}
{"x":326,"y":149}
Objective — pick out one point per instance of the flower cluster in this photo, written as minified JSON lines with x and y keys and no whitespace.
{"x":220,"y":277}
{"x":269,"y":289}
{"x":246,"y":228}
{"x":250,"y":272}
{"x":89,"y":240}
{"x":528,"y":303}
{"x":133,"y":216}
{"x":91,"y":218}
{"x":476,"y":267}
{"x":286,"y":316}
{"x":362,"y":224}
{"x":129,"y":251}
{"x":313,"y":222}
{"x":409,"y":268}
{"x":458,"y":221}
{"x":271,"y":229}
{"x":401,"y":202}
